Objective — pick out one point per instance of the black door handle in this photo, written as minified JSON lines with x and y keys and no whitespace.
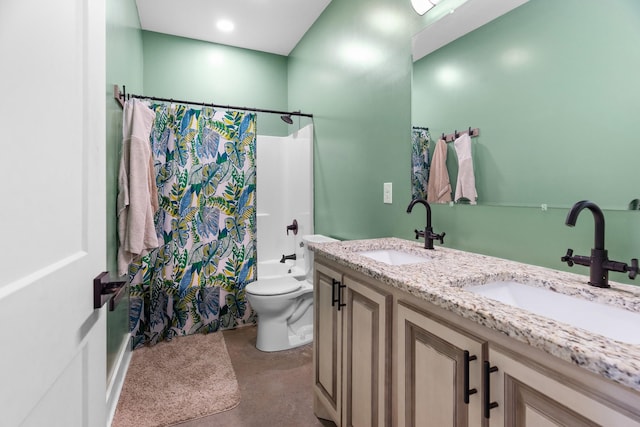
{"x":105,"y":290}
{"x":467,"y":391}
{"x":488,"y":404}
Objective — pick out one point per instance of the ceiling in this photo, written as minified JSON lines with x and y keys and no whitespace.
{"x":276,"y":26}
{"x":273,"y":26}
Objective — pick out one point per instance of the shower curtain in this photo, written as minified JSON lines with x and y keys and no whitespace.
{"x":420,"y":163}
{"x":194,"y":281}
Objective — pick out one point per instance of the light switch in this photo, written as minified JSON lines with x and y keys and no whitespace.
{"x":387,"y":192}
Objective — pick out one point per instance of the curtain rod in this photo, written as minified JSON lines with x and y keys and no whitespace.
{"x":122,"y":96}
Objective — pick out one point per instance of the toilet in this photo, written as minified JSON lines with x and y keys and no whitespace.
{"x":285,"y":304}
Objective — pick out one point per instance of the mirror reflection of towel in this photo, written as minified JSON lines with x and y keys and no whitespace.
{"x":439,"y":187}
{"x":466,"y":184}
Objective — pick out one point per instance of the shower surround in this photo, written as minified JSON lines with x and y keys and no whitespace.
{"x":284,"y":188}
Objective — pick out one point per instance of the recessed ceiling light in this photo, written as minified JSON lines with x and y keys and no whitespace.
{"x":225,"y":25}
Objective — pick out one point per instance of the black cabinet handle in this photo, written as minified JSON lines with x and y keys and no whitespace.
{"x":467,"y":392}
{"x":486,"y":389}
{"x":334,"y":287}
{"x":340,"y":303}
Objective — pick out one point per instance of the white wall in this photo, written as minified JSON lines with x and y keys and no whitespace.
{"x":284,"y":173}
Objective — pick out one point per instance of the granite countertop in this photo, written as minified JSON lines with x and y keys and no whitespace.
{"x":443,"y":279}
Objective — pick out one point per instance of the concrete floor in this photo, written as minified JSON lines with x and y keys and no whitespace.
{"x":275,"y":388}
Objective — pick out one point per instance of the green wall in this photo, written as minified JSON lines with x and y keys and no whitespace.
{"x":124,"y":67}
{"x":192,"y":70}
{"x":362,"y":107}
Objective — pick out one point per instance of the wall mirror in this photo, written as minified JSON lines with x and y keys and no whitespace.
{"x":553,"y":88}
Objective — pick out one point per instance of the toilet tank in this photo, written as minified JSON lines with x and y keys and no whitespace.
{"x":308,"y":253}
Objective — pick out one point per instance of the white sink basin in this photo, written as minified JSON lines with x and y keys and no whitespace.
{"x":393,"y":257}
{"x":613,"y":322}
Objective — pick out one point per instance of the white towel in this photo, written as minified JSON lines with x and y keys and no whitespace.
{"x":466,"y":184}
{"x":439,"y":187}
{"x":136,"y":186}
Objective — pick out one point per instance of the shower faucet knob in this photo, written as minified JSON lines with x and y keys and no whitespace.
{"x":293,"y":227}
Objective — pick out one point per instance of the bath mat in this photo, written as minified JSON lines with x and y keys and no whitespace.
{"x":182,"y":379}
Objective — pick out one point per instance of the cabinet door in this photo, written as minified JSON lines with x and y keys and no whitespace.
{"x":327,"y":344}
{"x":366,"y":349}
{"x":431,"y":373}
{"x":517,"y":389}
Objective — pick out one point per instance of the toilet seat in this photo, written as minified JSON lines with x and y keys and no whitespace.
{"x":277,"y":286}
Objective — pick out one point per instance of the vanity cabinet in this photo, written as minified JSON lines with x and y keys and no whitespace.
{"x":438,"y":379}
{"x":327,"y":345}
{"x":352,"y":348}
{"x":384,"y":357}
{"x":524,"y":393}
{"x":449,"y":376}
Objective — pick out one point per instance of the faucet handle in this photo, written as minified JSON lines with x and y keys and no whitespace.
{"x":419,"y":234}
{"x":633,"y":269}
{"x":568,"y":258}
{"x":439,"y":237}
{"x":293,"y":227}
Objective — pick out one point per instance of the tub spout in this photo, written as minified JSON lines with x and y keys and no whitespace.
{"x":286,"y":257}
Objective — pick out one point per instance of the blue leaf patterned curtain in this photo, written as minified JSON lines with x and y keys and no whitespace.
{"x":420,"y":163}
{"x":206,"y":225}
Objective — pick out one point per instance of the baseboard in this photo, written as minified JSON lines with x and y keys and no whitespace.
{"x":117,"y":381}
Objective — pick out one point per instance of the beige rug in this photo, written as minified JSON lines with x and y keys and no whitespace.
{"x":172,"y":382}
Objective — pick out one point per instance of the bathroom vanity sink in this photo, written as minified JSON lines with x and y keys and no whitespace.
{"x":393,"y":257}
{"x":612,"y":322}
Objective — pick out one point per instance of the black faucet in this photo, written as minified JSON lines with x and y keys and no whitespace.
{"x":286,"y":257}
{"x":428,"y":234}
{"x":599,"y":263}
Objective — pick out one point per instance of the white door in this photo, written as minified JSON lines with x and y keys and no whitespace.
{"x":52,"y":212}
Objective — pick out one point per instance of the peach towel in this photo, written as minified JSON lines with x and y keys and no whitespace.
{"x":439,"y":187}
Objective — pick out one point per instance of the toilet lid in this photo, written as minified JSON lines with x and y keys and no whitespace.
{"x":274,"y":286}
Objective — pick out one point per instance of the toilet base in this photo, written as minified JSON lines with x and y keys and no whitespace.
{"x":277,"y":335}
{"x":302,"y":337}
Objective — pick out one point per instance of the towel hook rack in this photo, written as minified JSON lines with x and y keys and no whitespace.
{"x":473,"y":132}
